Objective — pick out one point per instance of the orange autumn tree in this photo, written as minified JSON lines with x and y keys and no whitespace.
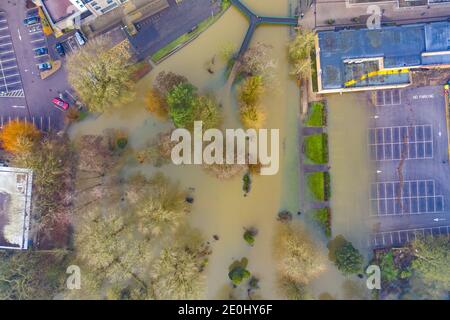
{"x":18,"y":136}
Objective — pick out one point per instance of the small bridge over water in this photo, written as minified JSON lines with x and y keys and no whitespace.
{"x":256,"y":20}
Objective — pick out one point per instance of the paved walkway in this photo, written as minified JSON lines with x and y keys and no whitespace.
{"x":312,"y":130}
{"x":256,"y":20}
{"x":315,"y":168}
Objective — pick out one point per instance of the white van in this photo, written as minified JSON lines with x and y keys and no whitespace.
{"x":79,"y":38}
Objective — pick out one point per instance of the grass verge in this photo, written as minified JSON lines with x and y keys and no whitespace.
{"x":316,"y":184}
{"x":323,"y":218}
{"x":319,"y":185}
{"x":317,"y":115}
{"x":316,"y":148}
{"x":315,"y":86}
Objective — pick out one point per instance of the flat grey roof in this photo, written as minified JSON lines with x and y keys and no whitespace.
{"x":15,"y":206}
{"x":400,"y":46}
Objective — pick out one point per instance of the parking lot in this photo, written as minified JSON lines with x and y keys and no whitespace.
{"x":38,"y":40}
{"x":10,"y":80}
{"x":33,"y":100}
{"x":42,"y":123}
{"x":401,"y":237}
{"x":408,"y":147}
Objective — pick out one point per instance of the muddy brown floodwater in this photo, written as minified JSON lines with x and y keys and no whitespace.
{"x":348,"y":120}
{"x":220,"y":207}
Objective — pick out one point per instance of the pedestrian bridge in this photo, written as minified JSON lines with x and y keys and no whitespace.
{"x":256,"y":20}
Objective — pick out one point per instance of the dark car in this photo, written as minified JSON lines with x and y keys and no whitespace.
{"x":31,"y":20}
{"x":60,"y":49}
{"x":40,"y":51}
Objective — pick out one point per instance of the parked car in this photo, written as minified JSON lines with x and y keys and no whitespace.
{"x":80,"y":38}
{"x":34,"y":28}
{"x":44,"y":66}
{"x":41,"y":51}
{"x":60,"y":104}
{"x":60,"y":49}
{"x":31,"y":20}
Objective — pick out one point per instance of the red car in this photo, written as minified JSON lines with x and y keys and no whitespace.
{"x":61,"y":104}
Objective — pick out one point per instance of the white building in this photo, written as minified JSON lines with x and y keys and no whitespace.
{"x":15,"y":207}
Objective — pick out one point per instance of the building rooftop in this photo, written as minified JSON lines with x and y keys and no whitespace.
{"x":15,"y":204}
{"x":59,"y":9}
{"x":398,"y":47}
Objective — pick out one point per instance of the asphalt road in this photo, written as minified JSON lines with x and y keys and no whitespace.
{"x":36,"y":105}
{"x":159,"y":30}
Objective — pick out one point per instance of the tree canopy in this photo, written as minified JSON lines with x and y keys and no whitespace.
{"x":101,"y":76}
{"x":300,"y":53}
{"x":298,"y":258}
{"x":181,"y":100}
{"x":432,"y":261}
{"x":345,"y":256}
{"x":18,"y":136}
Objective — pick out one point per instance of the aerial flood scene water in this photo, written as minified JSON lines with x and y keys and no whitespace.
{"x":318,"y":172}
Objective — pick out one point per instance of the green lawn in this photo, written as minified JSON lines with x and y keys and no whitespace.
{"x":316,"y":148}
{"x":323,"y":218}
{"x":202,"y":26}
{"x":316,"y":184}
{"x":316,"y":116}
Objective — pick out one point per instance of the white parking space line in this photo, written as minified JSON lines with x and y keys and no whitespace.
{"x":37,"y":40}
{"x":12,"y":83}
{"x":6,"y":52}
{"x":412,"y":197}
{"x":5,"y":44}
{"x":9,"y":68}
{"x":394,"y":238}
{"x":7,"y":60}
{"x":401,"y":142}
{"x":4,"y":28}
{"x":6,"y":36}
{"x":11,"y":75}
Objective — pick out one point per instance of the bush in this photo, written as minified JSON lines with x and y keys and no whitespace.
{"x":122,"y":142}
{"x":323,"y":218}
{"x":238,"y":271}
{"x":252,"y":117}
{"x":247,"y":183}
{"x":156,"y":104}
{"x":249,"y":236}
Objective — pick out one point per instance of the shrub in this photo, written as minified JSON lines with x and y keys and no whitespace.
{"x":238,"y":271}
{"x":345,"y":256}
